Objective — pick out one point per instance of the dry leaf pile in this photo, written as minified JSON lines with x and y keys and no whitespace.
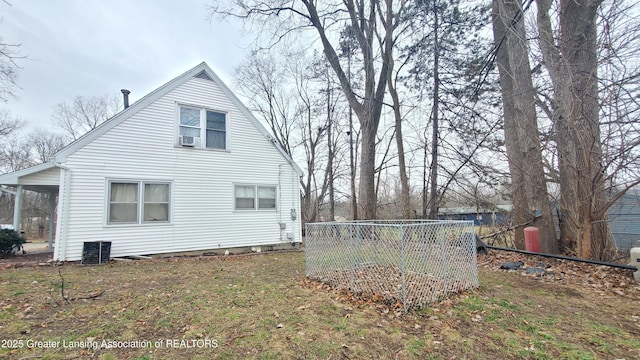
{"x":384,"y":292}
{"x":600,"y":278}
{"x":382,"y":284}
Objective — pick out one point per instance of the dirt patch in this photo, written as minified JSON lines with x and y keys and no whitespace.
{"x":29,"y":259}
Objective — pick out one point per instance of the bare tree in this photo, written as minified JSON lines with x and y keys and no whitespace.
{"x":85,"y":113}
{"x":348,"y":49}
{"x":9,"y":124}
{"x":44,"y":144}
{"x":297,"y":100}
{"x":314,"y":187}
{"x":373,"y":23}
{"x":571,"y":61}
{"x":263,"y":81}
{"x":619,"y":92}
{"x":529,"y":188}
{"x":14,"y":154}
{"x":8,"y":69}
{"x":405,"y":200}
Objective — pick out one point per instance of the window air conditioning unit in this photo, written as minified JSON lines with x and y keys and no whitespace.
{"x":188,"y":141}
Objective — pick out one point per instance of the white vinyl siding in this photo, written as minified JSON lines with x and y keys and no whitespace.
{"x":46,"y":177}
{"x":202,"y":207}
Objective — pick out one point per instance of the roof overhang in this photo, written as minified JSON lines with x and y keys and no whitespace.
{"x":14,"y":178}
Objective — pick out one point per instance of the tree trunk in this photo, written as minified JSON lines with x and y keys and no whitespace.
{"x":405,"y":202}
{"x":433,"y":195}
{"x":352,"y":165}
{"x":367,"y":193}
{"x":530,"y":197}
{"x":368,"y":110}
{"x":332,"y":204}
{"x":572,"y":65}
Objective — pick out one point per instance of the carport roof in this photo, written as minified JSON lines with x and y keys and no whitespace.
{"x":13,"y":178}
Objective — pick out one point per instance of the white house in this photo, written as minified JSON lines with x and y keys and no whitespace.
{"x":185,"y":168}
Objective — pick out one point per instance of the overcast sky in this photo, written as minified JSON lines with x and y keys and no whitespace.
{"x":95,"y":47}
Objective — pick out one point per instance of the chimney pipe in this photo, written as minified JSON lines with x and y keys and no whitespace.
{"x":125,"y":94}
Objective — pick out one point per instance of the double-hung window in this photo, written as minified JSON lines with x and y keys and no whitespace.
{"x":266,"y":197}
{"x":255,"y":197}
{"x":138,"y":202}
{"x":216,"y":130}
{"x":189,"y":122}
{"x":123,"y":203}
{"x":200,"y":124}
{"x":155,"y":206}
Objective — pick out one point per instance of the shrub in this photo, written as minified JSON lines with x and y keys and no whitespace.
{"x":10,"y":242}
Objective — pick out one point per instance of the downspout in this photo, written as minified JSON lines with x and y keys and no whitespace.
{"x":279,"y":204}
{"x":296,"y":209}
{"x":294,"y":194}
{"x":63,"y":221}
{"x":52,"y":211}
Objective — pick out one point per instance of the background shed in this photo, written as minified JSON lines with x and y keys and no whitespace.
{"x":624,"y":219}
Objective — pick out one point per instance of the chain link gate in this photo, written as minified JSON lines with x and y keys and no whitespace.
{"x":412,"y":263}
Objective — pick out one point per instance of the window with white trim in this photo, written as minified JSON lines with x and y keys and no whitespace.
{"x":123,"y":203}
{"x":138,"y":202}
{"x":266,"y":197}
{"x":208,"y":128}
{"x":255,"y":197}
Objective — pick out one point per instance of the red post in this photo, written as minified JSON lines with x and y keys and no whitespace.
{"x":532,"y":239}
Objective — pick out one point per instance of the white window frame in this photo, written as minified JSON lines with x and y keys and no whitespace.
{"x":275,"y":197}
{"x":109,"y":202}
{"x":140,"y":203}
{"x":203,"y":127}
{"x":235,"y":197}
{"x":256,"y":197}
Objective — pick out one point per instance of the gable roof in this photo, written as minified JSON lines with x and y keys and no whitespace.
{"x":202,"y":71}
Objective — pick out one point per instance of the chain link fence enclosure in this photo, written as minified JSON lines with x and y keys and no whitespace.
{"x":412,"y":263}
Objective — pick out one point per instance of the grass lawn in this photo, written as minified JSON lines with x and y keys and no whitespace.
{"x":261,"y":307}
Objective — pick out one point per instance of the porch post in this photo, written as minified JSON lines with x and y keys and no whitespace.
{"x":52,"y":211}
{"x":17,"y":209}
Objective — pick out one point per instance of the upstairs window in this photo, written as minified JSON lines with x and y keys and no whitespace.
{"x":202,"y":128}
{"x":216,"y":130}
{"x":189,"y":122}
